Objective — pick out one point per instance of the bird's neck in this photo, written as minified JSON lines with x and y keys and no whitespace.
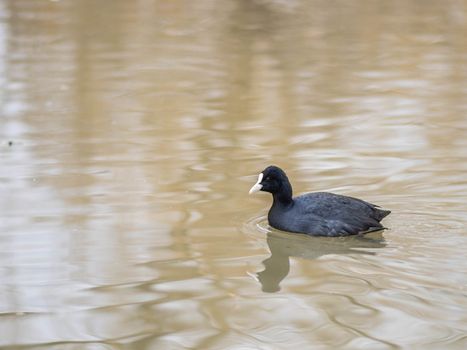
{"x":284,"y":196}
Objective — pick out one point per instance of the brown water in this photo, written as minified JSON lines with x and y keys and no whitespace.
{"x":131,"y":131}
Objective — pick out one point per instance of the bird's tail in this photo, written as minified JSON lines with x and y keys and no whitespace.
{"x":381,"y":214}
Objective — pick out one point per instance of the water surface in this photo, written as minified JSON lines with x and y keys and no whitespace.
{"x":131,"y":131}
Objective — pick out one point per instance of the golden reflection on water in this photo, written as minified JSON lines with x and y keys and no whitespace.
{"x":131,"y":132}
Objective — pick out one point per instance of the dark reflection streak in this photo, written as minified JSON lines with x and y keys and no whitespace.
{"x":252,"y":23}
{"x":283,"y":246}
{"x":247,"y":21}
{"x":88,"y":98}
{"x":355,"y":302}
{"x":333,"y":319}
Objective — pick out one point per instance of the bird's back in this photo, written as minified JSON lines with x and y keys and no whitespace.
{"x":328,"y":214}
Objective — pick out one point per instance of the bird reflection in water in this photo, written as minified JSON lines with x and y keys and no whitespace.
{"x":285,"y":245}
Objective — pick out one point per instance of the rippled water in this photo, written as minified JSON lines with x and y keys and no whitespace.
{"x":131,"y":131}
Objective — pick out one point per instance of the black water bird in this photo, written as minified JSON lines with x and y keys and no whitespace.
{"x":318,"y":213}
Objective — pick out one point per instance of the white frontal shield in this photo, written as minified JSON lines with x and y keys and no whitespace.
{"x":257,"y":186}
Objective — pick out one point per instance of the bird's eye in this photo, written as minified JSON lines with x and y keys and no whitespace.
{"x":268,"y":178}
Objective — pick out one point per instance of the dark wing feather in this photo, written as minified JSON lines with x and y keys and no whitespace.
{"x":339,"y":215}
